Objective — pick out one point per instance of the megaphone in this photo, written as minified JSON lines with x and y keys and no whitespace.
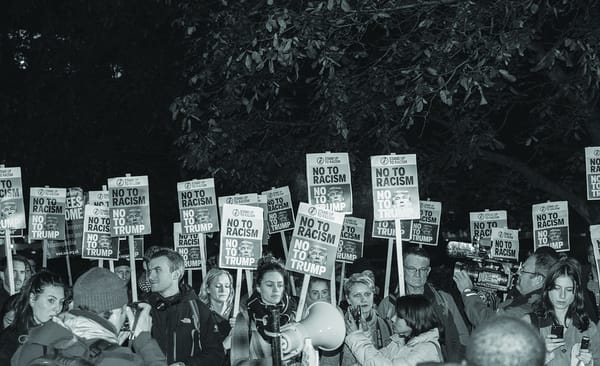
{"x":324,"y":325}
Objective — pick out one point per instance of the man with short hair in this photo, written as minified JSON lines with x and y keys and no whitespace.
{"x":90,"y":333}
{"x":21,"y":272}
{"x":182,"y":324}
{"x":454,"y":332}
{"x":505,"y":341}
{"x":530,"y":280}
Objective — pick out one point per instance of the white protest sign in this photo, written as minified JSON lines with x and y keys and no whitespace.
{"x":329,"y":181}
{"x":426,"y":229}
{"x":395,"y":186}
{"x":314,"y":241}
{"x":241,"y":237}
{"x":198,"y":206}
{"x":189,"y":246}
{"x":129,"y":205}
{"x":97,"y":243}
{"x":12,"y":210}
{"x":352,"y":240}
{"x":592,"y":171}
{"x":47,"y":213}
{"x":280,"y":212}
{"x":482,"y":222}
{"x":595,"y":239}
{"x":551,"y":225}
{"x":505,"y":244}
{"x":74,"y":220}
{"x":98,"y":198}
{"x":387,"y":229}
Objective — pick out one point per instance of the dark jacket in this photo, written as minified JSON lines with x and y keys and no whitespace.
{"x":80,"y":329}
{"x":174,"y":328}
{"x":11,"y":338}
{"x":517,"y":307}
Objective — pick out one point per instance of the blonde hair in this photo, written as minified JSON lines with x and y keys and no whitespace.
{"x":204,"y":296}
{"x":359,"y":278}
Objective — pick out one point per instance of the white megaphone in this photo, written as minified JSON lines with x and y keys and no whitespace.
{"x":324,"y":325}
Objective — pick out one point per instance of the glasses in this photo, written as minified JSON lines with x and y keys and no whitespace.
{"x":413,"y":270}
{"x":532,"y":274}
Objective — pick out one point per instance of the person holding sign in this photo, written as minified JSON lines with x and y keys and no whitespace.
{"x":182,"y":325}
{"x":217,"y":292}
{"x":561,"y":320}
{"x":359,"y":290}
{"x":415,"y":338}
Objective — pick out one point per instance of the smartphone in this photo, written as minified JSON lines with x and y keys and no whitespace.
{"x":585,"y":342}
{"x":356,"y":314}
{"x":557,"y":330}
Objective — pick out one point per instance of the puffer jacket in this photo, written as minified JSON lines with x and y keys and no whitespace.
{"x":173,"y":326}
{"x":422,"y":348}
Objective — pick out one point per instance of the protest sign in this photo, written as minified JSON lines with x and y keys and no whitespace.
{"x":74,"y":220}
{"x":329,"y":181}
{"x":595,"y":241}
{"x":129,"y":203}
{"x":505,"y":244}
{"x":189,"y":246}
{"x":47,"y":213}
{"x":592,"y":171}
{"x":387,"y":229}
{"x":314,"y":241}
{"x":12,"y":210}
{"x":352,"y":240}
{"x":280,"y":212}
{"x":98,"y":198}
{"x":238,"y":199}
{"x":241,"y":237}
{"x":198,"y":206}
{"x":481,"y":224}
{"x":426,"y":229}
{"x":123,"y":245}
{"x":97,"y":243}
{"x":551,"y":225}
{"x":395,"y":187}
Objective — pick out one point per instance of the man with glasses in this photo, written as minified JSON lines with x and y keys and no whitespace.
{"x":455,"y":333}
{"x":531,"y":276}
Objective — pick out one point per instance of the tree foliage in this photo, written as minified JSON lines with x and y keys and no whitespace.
{"x":497,"y":98}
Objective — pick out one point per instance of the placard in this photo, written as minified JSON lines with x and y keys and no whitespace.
{"x":280,"y":212}
{"x":481,"y":224}
{"x":505,"y":244}
{"x":551,"y":225}
{"x":592,"y":171}
{"x":329,"y":181}
{"x":129,"y":205}
{"x":97,"y":243}
{"x":426,"y":229}
{"x":47,"y":213}
{"x":189,"y":246}
{"x":387,"y":229}
{"x":198,"y":206}
{"x":352,"y":240}
{"x":12,"y":210}
{"x":314,"y":241}
{"x":241,"y":237}
{"x":98,"y":198}
{"x":395,"y":184}
{"x":74,"y":220}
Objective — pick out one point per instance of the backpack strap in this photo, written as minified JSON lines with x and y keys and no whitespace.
{"x":196,"y":321}
{"x":439,"y":350}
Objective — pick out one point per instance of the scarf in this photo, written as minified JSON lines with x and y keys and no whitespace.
{"x":260,"y":313}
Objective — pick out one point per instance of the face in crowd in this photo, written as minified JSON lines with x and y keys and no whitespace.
{"x":47,"y":303}
{"x":562,"y":294}
{"x":124,"y":273}
{"x":416,"y":270}
{"x":317,"y":254}
{"x":271,"y":287}
{"x":400,"y":327}
{"x":318,"y":290}
{"x":20,"y":274}
{"x":529,"y":280}
{"x":160,"y":276}
{"x":219,"y":289}
{"x":361,"y":295}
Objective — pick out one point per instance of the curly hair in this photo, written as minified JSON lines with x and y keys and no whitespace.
{"x":268,"y":263}
{"x":211,"y":276}
{"x":359,"y":278}
{"x":544,"y":309}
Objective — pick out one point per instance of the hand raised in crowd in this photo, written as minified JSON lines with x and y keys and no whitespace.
{"x":462,"y":280}
{"x":144,"y":319}
{"x":584,"y":355}
{"x":553,"y":342}
{"x":351,"y":325}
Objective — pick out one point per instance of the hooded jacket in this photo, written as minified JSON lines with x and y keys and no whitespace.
{"x":73,"y":332}
{"x":173,"y":326}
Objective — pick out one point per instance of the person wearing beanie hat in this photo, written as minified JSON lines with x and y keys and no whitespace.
{"x":182,"y":324}
{"x":93,"y":326}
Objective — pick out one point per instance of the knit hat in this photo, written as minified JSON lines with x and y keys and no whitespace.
{"x":99,"y":290}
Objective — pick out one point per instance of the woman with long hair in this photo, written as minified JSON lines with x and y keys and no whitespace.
{"x":40,"y":299}
{"x":415,"y":337}
{"x":217,"y":293}
{"x":561,"y":308}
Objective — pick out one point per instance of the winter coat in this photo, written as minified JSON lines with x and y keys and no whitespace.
{"x":11,"y":338}
{"x":173,"y":327}
{"x":380,"y":331}
{"x":477,"y":311}
{"x":422,"y":348}
{"x":75,"y":331}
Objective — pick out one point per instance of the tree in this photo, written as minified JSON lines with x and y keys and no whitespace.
{"x":498,"y":99}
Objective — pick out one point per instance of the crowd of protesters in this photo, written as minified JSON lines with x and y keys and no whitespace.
{"x":549,"y":318}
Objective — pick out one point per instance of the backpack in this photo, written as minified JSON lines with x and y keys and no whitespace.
{"x":63,"y":354}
